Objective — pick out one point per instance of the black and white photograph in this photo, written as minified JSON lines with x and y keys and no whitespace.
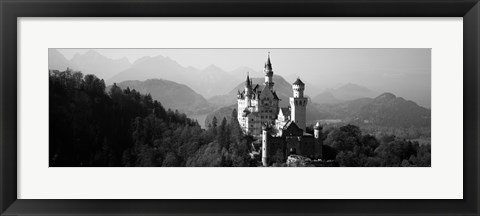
{"x":266,"y":107}
{"x":187,"y":108}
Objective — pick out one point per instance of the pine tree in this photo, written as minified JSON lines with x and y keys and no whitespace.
{"x":214,"y":122}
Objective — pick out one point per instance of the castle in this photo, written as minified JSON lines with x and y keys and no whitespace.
{"x":281,"y":130}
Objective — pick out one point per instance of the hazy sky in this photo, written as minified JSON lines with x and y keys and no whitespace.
{"x":404,"y":72}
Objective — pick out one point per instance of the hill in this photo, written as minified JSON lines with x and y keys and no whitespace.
{"x":384,"y":110}
{"x":223,"y":112}
{"x":170,"y":94}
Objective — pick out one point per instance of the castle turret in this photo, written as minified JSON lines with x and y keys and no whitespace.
{"x":265,"y":145}
{"x":318,"y":140}
{"x":268,"y":72}
{"x":298,"y":88}
{"x":248,"y":90}
{"x":298,"y":104}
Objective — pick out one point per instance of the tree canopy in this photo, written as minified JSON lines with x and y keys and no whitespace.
{"x":349,"y":147}
{"x":90,"y":127}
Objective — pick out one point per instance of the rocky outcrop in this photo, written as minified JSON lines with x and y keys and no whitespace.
{"x":298,"y":161}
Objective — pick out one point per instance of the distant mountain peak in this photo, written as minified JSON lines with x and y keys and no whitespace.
{"x":56,"y":60}
{"x":76,"y":55}
{"x":124,"y":59}
{"x":92,"y":52}
{"x":213,"y":67}
{"x":93,"y":62}
{"x":144,"y":58}
{"x":346,"y":92}
{"x":385,"y":97}
{"x":156,"y":61}
{"x":90,"y":55}
{"x":160,"y":57}
{"x":353,"y":87}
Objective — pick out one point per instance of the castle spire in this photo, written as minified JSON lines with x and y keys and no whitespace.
{"x":268,"y":72}
{"x":299,"y":82}
{"x":248,"y":82}
{"x":268,"y":64}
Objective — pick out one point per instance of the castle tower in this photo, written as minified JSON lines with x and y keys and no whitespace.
{"x":268,"y":72}
{"x":248,"y":90}
{"x":265,"y":145}
{"x":298,"y":104}
{"x":318,"y":140}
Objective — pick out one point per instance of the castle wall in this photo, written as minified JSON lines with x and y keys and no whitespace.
{"x":261,"y":111}
{"x":268,"y":111}
{"x":276,"y":151}
{"x":304,"y":145}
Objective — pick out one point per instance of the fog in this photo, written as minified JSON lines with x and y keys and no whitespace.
{"x":403,"y":72}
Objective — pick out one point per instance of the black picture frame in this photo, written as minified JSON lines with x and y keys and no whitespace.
{"x":10,"y":10}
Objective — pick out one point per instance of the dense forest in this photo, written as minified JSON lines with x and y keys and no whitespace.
{"x":349,"y":147}
{"x":92,"y":127}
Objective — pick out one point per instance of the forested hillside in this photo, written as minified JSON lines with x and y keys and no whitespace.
{"x":91,"y":127}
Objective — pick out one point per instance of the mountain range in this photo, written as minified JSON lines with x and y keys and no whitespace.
{"x":208,"y":82}
{"x":56,"y":61}
{"x":385,"y":110}
{"x":95,"y":63}
{"x":90,"y":62}
{"x":186,"y":89}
